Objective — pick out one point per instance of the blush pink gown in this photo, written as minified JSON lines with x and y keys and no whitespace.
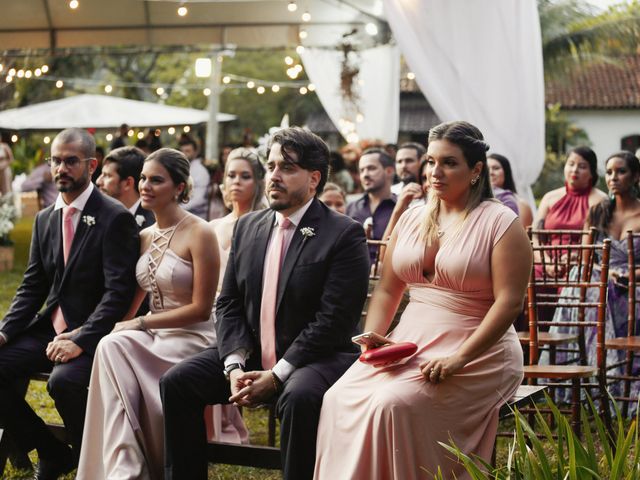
{"x":385,"y":423}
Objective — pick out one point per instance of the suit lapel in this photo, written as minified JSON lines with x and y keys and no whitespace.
{"x":91,"y":209}
{"x":263,"y":232}
{"x":309,"y":220}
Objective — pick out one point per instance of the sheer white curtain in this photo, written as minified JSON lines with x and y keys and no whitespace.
{"x":378,"y":87}
{"x":480,"y":61}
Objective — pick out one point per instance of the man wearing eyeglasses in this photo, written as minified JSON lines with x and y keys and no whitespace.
{"x":81,"y":276}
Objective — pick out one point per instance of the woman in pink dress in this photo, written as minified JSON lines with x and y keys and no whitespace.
{"x":465,"y":259}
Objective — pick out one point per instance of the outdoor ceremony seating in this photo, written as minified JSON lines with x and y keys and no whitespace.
{"x":629,"y":344}
{"x":564,"y":375}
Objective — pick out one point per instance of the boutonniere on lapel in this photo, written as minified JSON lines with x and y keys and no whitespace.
{"x":89,"y":220}
{"x":140,"y":220}
{"x":307,"y":232}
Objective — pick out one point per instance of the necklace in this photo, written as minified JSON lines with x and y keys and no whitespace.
{"x":443,"y":229}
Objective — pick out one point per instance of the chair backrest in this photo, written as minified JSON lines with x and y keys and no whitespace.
{"x":633,"y":284}
{"x":378,"y":245}
{"x":577,"y":260}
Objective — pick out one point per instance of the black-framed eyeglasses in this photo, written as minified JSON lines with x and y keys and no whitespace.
{"x":69,"y":162}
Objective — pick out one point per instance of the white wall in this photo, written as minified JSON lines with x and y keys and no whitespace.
{"x":606,"y":128}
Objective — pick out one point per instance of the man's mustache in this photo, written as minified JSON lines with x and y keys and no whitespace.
{"x":277,"y":186}
{"x":62,"y":177}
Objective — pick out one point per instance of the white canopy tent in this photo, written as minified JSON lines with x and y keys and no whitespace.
{"x":101,"y":111}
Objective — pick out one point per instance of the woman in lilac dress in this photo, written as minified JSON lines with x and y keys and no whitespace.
{"x":612,"y":218}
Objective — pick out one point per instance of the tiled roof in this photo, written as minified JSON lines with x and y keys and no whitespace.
{"x":599,"y":86}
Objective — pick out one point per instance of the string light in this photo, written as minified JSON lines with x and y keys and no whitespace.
{"x":411,"y":76}
{"x":140,"y":135}
{"x":303,"y":90}
{"x":251,"y":84}
{"x":182,"y":10}
{"x":303,"y":34}
{"x":160,"y":91}
{"x":371,"y":29}
{"x":59,"y":84}
{"x":226,"y":79}
{"x":171,"y":130}
{"x":37,"y":72}
{"x":44,"y":68}
{"x":260,"y":90}
{"x":9,"y":79}
{"x":288,"y":60}
{"x":28,"y":74}
{"x":359,"y":118}
{"x":311,"y":87}
{"x":108,"y":88}
{"x":12,"y":72}
{"x":306,"y":16}
{"x":299,"y":49}
{"x":275,"y":88}
{"x":186,"y":129}
{"x":46,"y":140}
{"x":293,"y":6}
{"x":20,"y":73}
{"x":14,"y":138}
{"x":1,"y":67}
{"x":109,"y":137}
{"x":73,"y":4}
{"x":206,"y":92}
{"x":130,"y":133}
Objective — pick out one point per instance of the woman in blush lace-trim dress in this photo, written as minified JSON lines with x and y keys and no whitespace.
{"x":178,"y":268}
{"x":466,"y":260}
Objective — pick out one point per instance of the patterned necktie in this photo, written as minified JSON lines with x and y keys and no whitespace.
{"x":273,"y":263}
{"x":68,"y":232}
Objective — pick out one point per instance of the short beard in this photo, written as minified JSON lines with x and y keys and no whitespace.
{"x":408,"y":178}
{"x":73,"y":185}
{"x":295,"y":198}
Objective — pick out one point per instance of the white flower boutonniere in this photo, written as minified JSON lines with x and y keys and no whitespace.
{"x":89,"y":220}
{"x":307,"y":232}
{"x":140,"y":220}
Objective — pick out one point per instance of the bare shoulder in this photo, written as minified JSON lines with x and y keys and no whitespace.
{"x":596,"y":196}
{"x":553,"y":196}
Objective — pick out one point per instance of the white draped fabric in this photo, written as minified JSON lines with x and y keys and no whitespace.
{"x":480,"y":61}
{"x":377,"y":84}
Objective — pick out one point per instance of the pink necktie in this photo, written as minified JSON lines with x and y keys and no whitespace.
{"x":68,"y":232}
{"x":273,"y":263}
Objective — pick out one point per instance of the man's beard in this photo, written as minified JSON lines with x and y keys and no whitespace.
{"x":294,"y":198}
{"x":72,"y":185}
{"x":408,"y":178}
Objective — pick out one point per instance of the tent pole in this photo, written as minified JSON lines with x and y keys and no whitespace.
{"x":214,"y":107}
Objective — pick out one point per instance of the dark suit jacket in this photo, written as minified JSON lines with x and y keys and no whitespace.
{"x":95,"y":288}
{"x":149,"y":217}
{"x":323,"y":286}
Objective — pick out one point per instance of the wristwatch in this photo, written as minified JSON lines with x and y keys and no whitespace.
{"x":230,"y":368}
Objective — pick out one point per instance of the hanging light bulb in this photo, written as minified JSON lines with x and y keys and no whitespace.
{"x":47,"y":140}
{"x":1,"y":67}
{"x":14,"y":138}
{"x":186,"y":129}
{"x":20,"y":73}
{"x":303,"y":90}
{"x":306,"y":16}
{"x":109,"y":137}
{"x":311,"y":87}
{"x":160,"y":91}
{"x":182,"y":10}
{"x":299,"y":49}
{"x":12,"y":72}
{"x":251,"y":84}
{"x":44,"y":68}
{"x":28,"y":74}
{"x":275,"y":88}
{"x":206,"y":92}
{"x":293,"y":6}
{"x":108,"y":88}
{"x":9,"y":79}
{"x":226,"y":79}
{"x":59,"y":84}
{"x":371,"y":29}
{"x":171,"y":130}
{"x":411,"y":76}
{"x":260,"y":90}
{"x":73,"y":4}
{"x":303,"y":34}
{"x":38,"y":72}
{"x":130,"y":133}
{"x":288,"y":60}
{"x":140,"y":135}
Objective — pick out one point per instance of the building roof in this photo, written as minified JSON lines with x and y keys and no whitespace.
{"x":614,"y":85}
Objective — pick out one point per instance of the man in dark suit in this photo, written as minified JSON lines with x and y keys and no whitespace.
{"x":82,"y":272}
{"x":120,"y":178}
{"x":291,"y":298}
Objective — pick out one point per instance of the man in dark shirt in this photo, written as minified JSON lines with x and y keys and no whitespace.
{"x":374,"y":209}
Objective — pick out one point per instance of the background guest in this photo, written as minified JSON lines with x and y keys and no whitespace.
{"x":467,"y":260}
{"x":178,"y":268}
{"x":199,"y":176}
{"x":6,"y":175}
{"x":407,"y":166}
{"x":334,"y":197}
{"x":502,"y":178}
{"x":40,"y":180}
{"x":338,"y":173}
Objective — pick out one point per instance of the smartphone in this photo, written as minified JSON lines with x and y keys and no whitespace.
{"x":623,"y":282}
{"x":370,"y":339}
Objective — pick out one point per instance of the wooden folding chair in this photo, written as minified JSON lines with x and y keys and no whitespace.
{"x":572,"y":376}
{"x":629,"y":344}
{"x":552,"y":266}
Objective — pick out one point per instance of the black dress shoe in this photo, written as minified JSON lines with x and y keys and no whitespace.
{"x":49,"y":470}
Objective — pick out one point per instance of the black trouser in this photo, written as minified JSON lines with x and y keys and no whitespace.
{"x":199,"y":381}
{"x":19,"y":359}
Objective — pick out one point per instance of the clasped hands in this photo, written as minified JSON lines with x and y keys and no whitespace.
{"x":251,"y":389}
{"x":61,"y":349}
{"x":437,"y":370}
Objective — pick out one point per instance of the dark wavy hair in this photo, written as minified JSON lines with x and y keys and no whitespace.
{"x":508,"y":184}
{"x":600,"y":215}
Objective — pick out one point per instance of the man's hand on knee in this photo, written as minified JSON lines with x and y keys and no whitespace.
{"x":259,"y":387}
{"x":62,"y":351}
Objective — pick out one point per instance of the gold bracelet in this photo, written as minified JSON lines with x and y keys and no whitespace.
{"x":276,"y":381}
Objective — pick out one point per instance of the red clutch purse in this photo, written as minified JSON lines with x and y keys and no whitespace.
{"x":388,"y":353}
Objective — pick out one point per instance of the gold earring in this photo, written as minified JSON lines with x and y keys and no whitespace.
{"x":473,"y":181}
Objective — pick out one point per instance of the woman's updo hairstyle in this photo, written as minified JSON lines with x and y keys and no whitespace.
{"x":178,"y":167}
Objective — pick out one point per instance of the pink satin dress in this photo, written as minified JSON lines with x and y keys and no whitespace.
{"x":385,"y":423}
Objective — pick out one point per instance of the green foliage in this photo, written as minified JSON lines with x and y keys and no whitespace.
{"x":560,"y":453}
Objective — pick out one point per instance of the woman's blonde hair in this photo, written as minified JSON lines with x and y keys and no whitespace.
{"x":474,"y":149}
{"x":252,"y":158}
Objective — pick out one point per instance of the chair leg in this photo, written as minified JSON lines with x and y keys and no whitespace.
{"x":627,"y":383}
{"x":575,"y":406}
{"x":272,"y":426}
